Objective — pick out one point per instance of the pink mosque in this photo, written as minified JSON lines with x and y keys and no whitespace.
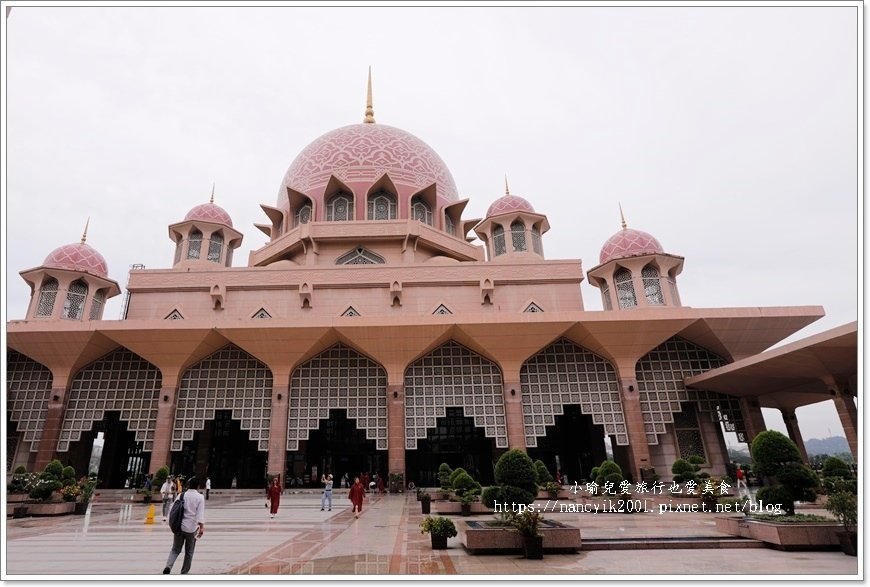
{"x":381,"y":330}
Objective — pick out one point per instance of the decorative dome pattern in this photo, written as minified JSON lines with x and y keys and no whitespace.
{"x":78,"y":257}
{"x":509,"y":203}
{"x":629,"y":242}
{"x":364,"y":152}
{"x":210,"y":213}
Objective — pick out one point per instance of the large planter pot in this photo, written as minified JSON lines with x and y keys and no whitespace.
{"x":426,"y":506}
{"x":439,"y":542}
{"x":800,"y":536}
{"x":465,"y":509}
{"x":533,"y":547}
{"x":488,"y":537}
{"x":81,"y":508}
{"x":50,"y":508}
{"x":849,"y":542}
{"x":19,"y":511}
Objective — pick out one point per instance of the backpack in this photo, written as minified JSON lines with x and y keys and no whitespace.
{"x":176,"y":515}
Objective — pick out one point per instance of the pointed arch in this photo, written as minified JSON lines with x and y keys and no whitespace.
{"x":215,"y":247}
{"x":382,"y":201}
{"x":174,"y":315}
{"x":498,"y":240}
{"x":562,"y":374}
{"x":47,"y":297}
{"x":338,"y":378}
{"x":518,"y":236}
{"x":338,"y":202}
{"x":533,"y":307}
{"x":194,"y":244}
{"x":442,"y":310}
{"x":350,"y":312}
{"x":449,"y":376}
{"x":622,"y":279}
{"x":76,"y":296}
{"x":120,"y":381}
{"x":228,"y":379}
{"x":652,"y":287}
{"x":28,"y":388}
{"x":360,"y":256}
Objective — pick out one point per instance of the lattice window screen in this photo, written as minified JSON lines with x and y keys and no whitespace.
{"x":652,"y":286}
{"x":74,"y":306}
{"x":338,"y":378}
{"x":360,"y":256}
{"x":564,"y":374}
{"x":121,"y":381}
{"x":537,"y":246}
{"x":421,"y":211}
{"x":625,"y":289}
{"x":518,"y":236}
{"x":382,"y":206}
{"x":660,"y":375}
{"x":453,"y":376}
{"x":47,"y":296}
{"x":28,"y":387}
{"x":498,"y":241}
{"x":303,"y":216}
{"x":194,"y":245}
{"x":229,"y":379}
{"x":215,"y":244}
{"x":339,"y":208}
{"x":97,"y":304}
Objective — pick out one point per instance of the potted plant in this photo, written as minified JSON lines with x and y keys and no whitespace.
{"x":552,"y":488}
{"x":465,"y":501}
{"x":425,"y":503}
{"x":69,"y":492}
{"x":843,"y":504}
{"x":440,"y":529}
{"x":527,"y":524}
{"x":87,"y":486}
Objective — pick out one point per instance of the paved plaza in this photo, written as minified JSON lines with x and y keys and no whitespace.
{"x":241,"y":539}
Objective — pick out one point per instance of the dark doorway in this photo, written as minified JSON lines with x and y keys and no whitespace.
{"x":222,"y":451}
{"x":123,"y":462}
{"x":575,"y":443}
{"x":455,"y":440}
{"x":340,"y":448}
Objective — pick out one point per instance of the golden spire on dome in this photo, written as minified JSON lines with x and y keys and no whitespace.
{"x":370,"y":111}
{"x":507,"y":190}
{"x":622,"y":216}
{"x":85,"y":233}
{"x":211,"y":200}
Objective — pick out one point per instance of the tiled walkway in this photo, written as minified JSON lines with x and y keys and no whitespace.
{"x":241,"y":539}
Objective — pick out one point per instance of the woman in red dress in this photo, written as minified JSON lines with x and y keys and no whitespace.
{"x":356,"y":495}
{"x":274,"y":492}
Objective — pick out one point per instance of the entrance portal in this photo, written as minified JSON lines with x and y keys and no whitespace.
{"x":455,"y":440}
{"x":222,"y":451}
{"x":122,"y":458}
{"x":574,"y":445}
{"x":340,"y":448}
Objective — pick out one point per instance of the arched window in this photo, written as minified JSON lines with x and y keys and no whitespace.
{"x":536,"y":241}
{"x":420,"y":210}
{"x":194,"y":244}
{"x":215,"y":244}
{"x":360,"y":256}
{"x":382,"y":206}
{"x":47,"y":295}
{"x":449,"y":226}
{"x":178,"y":245}
{"x":518,"y":236}
{"x":498,"y":240}
{"x":303,"y":215}
{"x":625,"y":289}
{"x":605,"y":296}
{"x":75,"y":300}
{"x":97,"y":304}
{"x":652,"y":287}
{"x":339,"y":208}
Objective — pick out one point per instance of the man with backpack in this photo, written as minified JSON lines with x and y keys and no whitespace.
{"x":187,"y":522}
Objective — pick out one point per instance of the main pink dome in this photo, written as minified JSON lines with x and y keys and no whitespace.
{"x":363,"y":153}
{"x":509,"y":203}
{"x":629,"y":242}
{"x":210,"y":213}
{"x":78,"y":257}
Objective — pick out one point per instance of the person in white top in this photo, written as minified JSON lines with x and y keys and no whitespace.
{"x":207,"y":486}
{"x":192,"y":527}
{"x":166,"y":491}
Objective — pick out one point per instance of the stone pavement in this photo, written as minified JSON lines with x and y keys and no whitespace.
{"x":241,"y":539}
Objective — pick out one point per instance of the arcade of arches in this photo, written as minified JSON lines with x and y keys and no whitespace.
{"x":456,"y":407}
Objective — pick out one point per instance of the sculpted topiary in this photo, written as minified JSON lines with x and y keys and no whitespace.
{"x":776,"y":458}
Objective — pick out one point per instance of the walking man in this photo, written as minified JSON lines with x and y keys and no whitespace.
{"x":326,"y":498}
{"x":207,"y":486}
{"x":192,"y":527}
{"x":166,"y":491}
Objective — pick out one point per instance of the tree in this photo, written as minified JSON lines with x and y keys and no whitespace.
{"x":834,"y":467}
{"x":516,"y":478}
{"x":544,"y":476}
{"x":776,"y":458}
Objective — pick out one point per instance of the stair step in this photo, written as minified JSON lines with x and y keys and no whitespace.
{"x":669,"y":543}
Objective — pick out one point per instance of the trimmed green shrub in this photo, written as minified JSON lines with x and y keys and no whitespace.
{"x":834,"y":467}
{"x":516,"y":469}
{"x":444,"y":472}
{"x":160,"y":476}
{"x":491,"y":495}
{"x":456,"y":473}
{"x":776,"y":456}
{"x":544,"y":476}
{"x":608,"y":471}
{"x":48,"y":481}
{"x":68,"y":477}
{"x":20,"y":470}
{"x":463,"y":482}
{"x":55,"y":468}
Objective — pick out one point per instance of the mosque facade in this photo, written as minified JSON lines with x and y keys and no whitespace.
{"x":379,"y":329}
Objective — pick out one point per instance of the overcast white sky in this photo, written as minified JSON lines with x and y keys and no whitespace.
{"x":729,"y":133}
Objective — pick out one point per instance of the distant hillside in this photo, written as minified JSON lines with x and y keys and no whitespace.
{"x":827,"y":446}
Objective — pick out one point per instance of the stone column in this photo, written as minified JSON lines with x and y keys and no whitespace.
{"x":277,"y":459}
{"x":396,"y":429}
{"x":638,"y":446}
{"x":752,"y":417}
{"x":513,"y":409}
{"x":54,"y":414}
{"x":794,"y":432}
{"x":848,"y":413}
{"x":167,"y":402}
